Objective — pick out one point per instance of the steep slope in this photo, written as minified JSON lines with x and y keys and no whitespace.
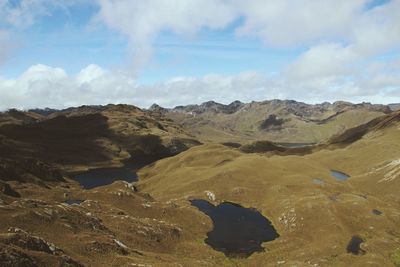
{"x":91,"y":137}
{"x":299,"y":195}
{"x":275,"y":120}
{"x":342,"y":139}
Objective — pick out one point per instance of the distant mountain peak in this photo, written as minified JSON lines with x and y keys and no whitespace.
{"x":157,"y":108}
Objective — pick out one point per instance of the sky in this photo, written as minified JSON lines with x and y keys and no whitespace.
{"x":62,"y":53}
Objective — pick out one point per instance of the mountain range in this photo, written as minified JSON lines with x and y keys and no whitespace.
{"x":274,"y":120}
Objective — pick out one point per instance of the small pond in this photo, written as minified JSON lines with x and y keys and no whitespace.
{"x":354,"y":246}
{"x":238,"y":231}
{"x":73,"y":201}
{"x":318,"y":181}
{"x":105,"y":176}
{"x":295,"y":145}
{"x":340,"y":176}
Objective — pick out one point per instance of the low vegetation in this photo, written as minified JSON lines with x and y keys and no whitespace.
{"x":153,"y":223}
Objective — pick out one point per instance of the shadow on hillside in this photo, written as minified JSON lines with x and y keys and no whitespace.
{"x":64,"y":140}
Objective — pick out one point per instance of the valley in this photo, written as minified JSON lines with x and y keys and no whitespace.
{"x":272,"y":183}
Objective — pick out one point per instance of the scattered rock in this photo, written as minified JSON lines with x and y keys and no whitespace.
{"x":108,"y":247}
{"x":131,"y":186}
{"x":122,"y":245}
{"x":376,"y":212}
{"x":289,"y":219}
{"x":24,"y":240}
{"x":210,"y":195}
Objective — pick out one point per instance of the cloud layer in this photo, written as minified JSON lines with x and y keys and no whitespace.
{"x":365,"y":30}
{"x":44,"y":86}
{"x":343,"y":37}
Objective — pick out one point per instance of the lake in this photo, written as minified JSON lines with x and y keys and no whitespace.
{"x":105,"y":176}
{"x":238,"y":231}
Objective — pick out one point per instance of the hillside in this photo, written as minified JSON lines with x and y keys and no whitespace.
{"x":275,"y":120}
{"x":299,"y":196}
{"x":394,"y":106}
{"x":89,"y":137}
{"x":40,"y":153}
{"x":49,"y":219}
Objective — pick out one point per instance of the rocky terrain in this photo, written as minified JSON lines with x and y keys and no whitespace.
{"x":49,"y":219}
{"x":275,"y":120}
{"x":394,"y":107}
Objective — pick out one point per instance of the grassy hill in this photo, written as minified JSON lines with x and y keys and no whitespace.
{"x":88,"y":137}
{"x":275,"y":120}
{"x":315,"y":221}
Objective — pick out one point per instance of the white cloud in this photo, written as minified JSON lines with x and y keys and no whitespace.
{"x":89,"y":74}
{"x":277,"y":22}
{"x":325,"y":60}
{"x":141,"y":21}
{"x":286,"y":22}
{"x":44,"y":86}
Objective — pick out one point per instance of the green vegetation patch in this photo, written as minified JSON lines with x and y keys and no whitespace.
{"x":396,"y":257}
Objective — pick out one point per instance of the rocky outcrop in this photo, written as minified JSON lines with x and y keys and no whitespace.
{"x":157,"y":108}
{"x":21,"y":239}
{"x":210,"y":106}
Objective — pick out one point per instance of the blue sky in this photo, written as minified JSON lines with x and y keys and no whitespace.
{"x":170,"y":53}
{"x":69,"y":39}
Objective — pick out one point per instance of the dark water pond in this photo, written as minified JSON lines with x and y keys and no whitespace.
{"x":238,"y":231}
{"x":295,"y":145}
{"x":354,"y":246}
{"x":341,"y":176}
{"x":105,"y":176}
{"x":73,"y":201}
{"x":232,"y":144}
